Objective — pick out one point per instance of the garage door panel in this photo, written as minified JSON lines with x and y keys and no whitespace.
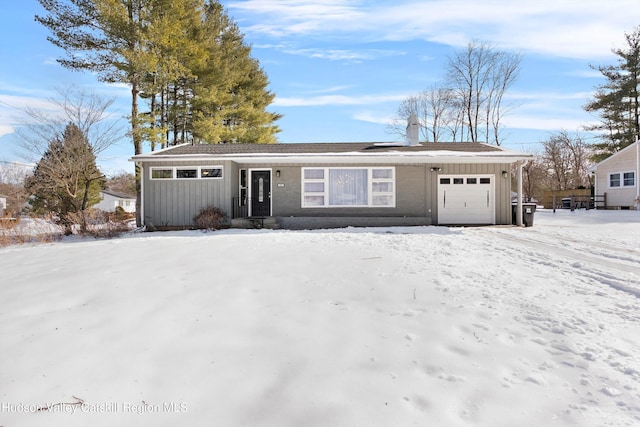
{"x":466,"y":199}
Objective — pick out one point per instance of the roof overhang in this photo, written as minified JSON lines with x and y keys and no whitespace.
{"x":389,"y":157}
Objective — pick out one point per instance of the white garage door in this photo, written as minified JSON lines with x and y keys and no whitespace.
{"x":466,"y":199}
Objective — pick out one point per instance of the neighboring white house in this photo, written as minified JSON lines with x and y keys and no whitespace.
{"x":3,"y":204}
{"x":617,"y":177}
{"x":111,"y":200}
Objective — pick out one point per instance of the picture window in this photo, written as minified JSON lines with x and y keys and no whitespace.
{"x":348,"y":187}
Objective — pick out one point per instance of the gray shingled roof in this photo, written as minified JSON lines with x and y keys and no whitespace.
{"x":319,"y":148}
{"x":118,"y":194}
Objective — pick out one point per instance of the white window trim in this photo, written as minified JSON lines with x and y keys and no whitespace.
{"x":370,"y":192}
{"x":622,"y":185}
{"x":174,"y":173}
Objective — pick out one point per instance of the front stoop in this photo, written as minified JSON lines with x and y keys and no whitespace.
{"x":269,"y":222}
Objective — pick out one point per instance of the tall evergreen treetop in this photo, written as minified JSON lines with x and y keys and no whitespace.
{"x":617,"y":100}
{"x":230,"y":93}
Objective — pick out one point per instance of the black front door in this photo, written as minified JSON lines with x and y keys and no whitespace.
{"x":260,"y":193}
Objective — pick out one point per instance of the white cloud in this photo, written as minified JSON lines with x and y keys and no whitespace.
{"x":585,"y":29}
{"x":344,"y":54}
{"x":337,"y":100}
{"x":590,"y":73}
{"x":331,"y":89}
{"x":51,"y":61}
{"x":545,"y":123}
{"x":548,"y":96}
{"x":369,"y":117}
{"x":17,"y":102}
{"x":6,"y":130}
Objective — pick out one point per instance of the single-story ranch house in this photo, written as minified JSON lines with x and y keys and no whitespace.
{"x":110,"y":200}
{"x":617,"y":177}
{"x":320,"y":185}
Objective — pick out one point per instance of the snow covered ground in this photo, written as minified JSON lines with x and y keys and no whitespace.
{"x":429,"y":326}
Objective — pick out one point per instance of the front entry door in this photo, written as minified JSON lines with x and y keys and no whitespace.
{"x":260,"y":193}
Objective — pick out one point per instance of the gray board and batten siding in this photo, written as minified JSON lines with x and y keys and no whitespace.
{"x":172,"y":203}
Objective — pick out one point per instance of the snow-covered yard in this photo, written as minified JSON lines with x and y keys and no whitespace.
{"x":429,"y":326}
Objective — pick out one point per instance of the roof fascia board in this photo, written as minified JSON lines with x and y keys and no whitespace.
{"x":613,"y":156}
{"x":495,"y":157}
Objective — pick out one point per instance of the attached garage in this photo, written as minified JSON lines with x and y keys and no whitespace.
{"x":466,"y":199}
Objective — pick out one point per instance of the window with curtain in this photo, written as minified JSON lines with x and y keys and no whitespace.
{"x":348,"y":187}
{"x":344,"y":187}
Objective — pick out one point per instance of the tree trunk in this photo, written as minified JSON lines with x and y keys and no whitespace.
{"x":137,"y":148}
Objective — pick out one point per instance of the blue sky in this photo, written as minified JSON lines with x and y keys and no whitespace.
{"x":340,"y":68}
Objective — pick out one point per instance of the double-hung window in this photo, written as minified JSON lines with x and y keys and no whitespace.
{"x":622,"y":179}
{"x":629,"y":179}
{"x":348,"y":187}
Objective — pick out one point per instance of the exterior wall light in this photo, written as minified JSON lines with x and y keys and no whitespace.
{"x":278,"y":173}
{"x":505,"y":174}
{"x":436,"y":169}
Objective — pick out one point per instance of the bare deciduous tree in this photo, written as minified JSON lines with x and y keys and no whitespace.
{"x":534,"y":174}
{"x":470,"y":104}
{"x":89,"y":112}
{"x":437,"y":112}
{"x":122,"y":182}
{"x":566,"y":159}
{"x":480,"y":75}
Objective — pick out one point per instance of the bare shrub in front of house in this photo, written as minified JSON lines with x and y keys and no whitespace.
{"x":15,"y":231}
{"x":210,"y":218}
{"x":7,"y":234}
{"x":101,"y":224}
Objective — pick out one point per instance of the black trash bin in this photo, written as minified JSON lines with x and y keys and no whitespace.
{"x":528,"y":209}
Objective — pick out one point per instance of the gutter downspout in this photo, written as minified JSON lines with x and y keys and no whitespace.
{"x":520,"y":163}
{"x":636,"y":174}
{"x":142,"y":222}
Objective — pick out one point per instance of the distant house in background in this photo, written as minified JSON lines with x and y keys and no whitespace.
{"x":3,"y":204}
{"x":617,"y":177}
{"x":111,"y":200}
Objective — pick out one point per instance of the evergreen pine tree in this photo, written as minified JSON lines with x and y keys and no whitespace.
{"x":230,"y":96}
{"x":66,"y":180}
{"x":617,"y":101}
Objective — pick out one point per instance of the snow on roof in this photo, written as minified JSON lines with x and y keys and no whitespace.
{"x":118,"y":195}
{"x":441,"y":151}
